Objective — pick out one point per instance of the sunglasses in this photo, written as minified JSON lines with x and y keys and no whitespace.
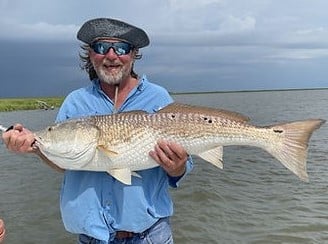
{"x":120,"y":48}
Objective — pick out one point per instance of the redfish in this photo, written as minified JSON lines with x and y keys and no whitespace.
{"x":120,"y":143}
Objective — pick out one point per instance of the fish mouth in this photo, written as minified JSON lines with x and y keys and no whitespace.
{"x":37,"y":142}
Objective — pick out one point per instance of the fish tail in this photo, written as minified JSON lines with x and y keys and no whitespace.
{"x":291,"y":147}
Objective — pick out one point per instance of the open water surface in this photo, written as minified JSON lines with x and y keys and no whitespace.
{"x":254,"y":199}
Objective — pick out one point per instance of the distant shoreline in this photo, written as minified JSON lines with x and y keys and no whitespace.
{"x":240,"y":91}
{"x":32,"y":103}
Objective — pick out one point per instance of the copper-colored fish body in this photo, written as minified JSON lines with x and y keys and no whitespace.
{"x":120,"y":143}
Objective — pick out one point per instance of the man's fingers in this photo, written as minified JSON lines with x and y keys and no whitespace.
{"x":19,"y":139}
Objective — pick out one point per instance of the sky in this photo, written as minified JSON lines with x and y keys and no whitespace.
{"x":196,"y":45}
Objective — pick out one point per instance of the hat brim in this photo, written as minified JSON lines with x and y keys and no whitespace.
{"x":102,"y":28}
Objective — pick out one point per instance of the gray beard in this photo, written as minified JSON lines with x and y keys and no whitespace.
{"x":110,"y":78}
{"x":113,"y":79}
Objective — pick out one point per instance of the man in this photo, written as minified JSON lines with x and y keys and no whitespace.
{"x":2,"y":231}
{"x":93,"y":204}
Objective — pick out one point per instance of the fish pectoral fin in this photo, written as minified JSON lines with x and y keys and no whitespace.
{"x":214,"y":156}
{"x":106,"y":151}
{"x":122,"y":175}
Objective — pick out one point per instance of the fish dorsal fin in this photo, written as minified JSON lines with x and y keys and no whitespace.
{"x":133,"y":112}
{"x":185,"y":108}
{"x":214,"y":156}
{"x":122,"y":175}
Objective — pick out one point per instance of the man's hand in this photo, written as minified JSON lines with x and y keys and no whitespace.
{"x":2,"y":230}
{"x":19,"y":139}
{"x":171,"y":156}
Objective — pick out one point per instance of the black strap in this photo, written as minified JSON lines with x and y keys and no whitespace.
{"x":10,"y":128}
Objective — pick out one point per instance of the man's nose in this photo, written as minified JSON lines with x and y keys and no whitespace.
{"x":111,"y":54}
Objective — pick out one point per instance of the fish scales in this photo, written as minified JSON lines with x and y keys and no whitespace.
{"x":125,"y":138}
{"x":191,"y":130}
{"x":120,"y":143}
{"x":128,"y":131}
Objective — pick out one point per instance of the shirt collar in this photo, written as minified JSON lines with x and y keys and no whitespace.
{"x":140,"y":86}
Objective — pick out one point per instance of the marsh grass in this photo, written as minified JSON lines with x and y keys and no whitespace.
{"x":11,"y":104}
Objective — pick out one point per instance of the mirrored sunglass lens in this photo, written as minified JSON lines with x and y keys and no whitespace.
{"x":120,"y":48}
{"x":101,"y":47}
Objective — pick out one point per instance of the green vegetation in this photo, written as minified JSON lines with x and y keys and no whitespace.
{"x":11,"y":104}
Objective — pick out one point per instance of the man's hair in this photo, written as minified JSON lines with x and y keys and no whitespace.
{"x":88,"y":67}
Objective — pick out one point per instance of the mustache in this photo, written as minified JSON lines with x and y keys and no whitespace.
{"x":108,"y":62}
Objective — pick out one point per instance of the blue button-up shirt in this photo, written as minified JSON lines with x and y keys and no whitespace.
{"x":96,"y":204}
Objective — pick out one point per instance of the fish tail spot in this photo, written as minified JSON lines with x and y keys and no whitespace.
{"x":291,"y":150}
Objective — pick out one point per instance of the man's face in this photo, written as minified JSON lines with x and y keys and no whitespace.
{"x":113,"y":66}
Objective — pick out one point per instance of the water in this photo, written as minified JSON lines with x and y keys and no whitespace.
{"x":253,"y":200}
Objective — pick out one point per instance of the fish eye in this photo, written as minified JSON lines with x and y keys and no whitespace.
{"x":50,"y":129}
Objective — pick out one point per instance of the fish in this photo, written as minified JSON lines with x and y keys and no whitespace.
{"x":120,"y":143}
